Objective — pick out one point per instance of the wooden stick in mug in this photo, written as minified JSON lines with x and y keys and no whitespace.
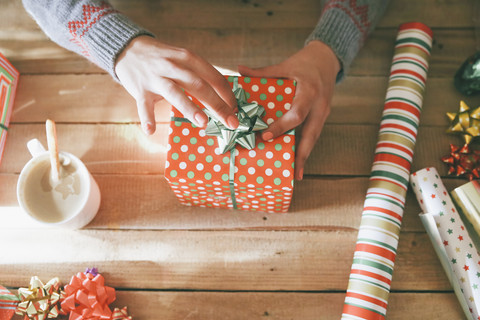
{"x":53,"y":149}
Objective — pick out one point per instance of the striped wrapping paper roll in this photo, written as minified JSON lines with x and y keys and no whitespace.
{"x":375,"y":251}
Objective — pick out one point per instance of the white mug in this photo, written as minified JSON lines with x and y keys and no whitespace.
{"x":72,"y":202}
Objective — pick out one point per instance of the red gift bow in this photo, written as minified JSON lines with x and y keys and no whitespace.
{"x":87,"y":297}
{"x":463,"y":161}
{"x":121,"y":314}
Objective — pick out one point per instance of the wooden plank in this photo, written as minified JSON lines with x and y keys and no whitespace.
{"x":209,"y":260}
{"x":257,"y":14}
{"x":318,"y":204}
{"x":122,"y":195}
{"x":97,"y":98}
{"x":304,"y":306}
{"x":143,"y":305}
{"x":123,"y":148}
{"x":229,"y":47}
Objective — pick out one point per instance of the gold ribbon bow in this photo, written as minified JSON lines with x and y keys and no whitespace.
{"x":39,"y":301}
{"x":465,"y":122}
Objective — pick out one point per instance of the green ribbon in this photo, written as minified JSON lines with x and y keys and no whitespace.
{"x":250,"y":121}
{"x":4,"y":127}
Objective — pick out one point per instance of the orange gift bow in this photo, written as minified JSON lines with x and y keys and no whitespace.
{"x":87,"y":297}
{"x":121,"y":314}
{"x":39,"y":301}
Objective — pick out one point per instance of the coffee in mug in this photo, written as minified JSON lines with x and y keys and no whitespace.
{"x":71,"y":202}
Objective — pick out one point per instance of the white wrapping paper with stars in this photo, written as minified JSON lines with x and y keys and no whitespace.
{"x":463,"y":260}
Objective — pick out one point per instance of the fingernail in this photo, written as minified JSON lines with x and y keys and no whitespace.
{"x":232,"y":122}
{"x":300,"y":174}
{"x":267,"y":135}
{"x":148,"y":127}
{"x":200,"y":119}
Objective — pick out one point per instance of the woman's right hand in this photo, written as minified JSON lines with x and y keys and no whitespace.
{"x":150,"y":71}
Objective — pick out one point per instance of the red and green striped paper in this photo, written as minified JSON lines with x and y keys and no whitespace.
{"x":8,"y":85}
{"x":376,"y":247}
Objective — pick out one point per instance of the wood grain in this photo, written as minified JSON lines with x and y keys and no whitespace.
{"x":220,"y":260}
{"x":143,"y":305}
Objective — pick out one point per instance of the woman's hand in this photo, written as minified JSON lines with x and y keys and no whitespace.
{"x":150,"y":71}
{"x":315,"y":68}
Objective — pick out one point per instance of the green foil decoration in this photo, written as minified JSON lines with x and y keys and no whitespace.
{"x":250,"y":118}
{"x":467,"y":78}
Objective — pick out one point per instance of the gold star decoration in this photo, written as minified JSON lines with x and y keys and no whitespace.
{"x":465,"y":122}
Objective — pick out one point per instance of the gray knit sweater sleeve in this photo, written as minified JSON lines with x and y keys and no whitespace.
{"x":91,"y":28}
{"x":344,"y":26}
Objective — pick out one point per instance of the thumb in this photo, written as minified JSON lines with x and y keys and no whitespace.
{"x":273,"y":71}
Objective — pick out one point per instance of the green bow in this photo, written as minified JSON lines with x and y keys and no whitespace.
{"x":249,"y":116}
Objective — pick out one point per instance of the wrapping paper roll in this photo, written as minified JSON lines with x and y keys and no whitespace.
{"x":375,"y":251}
{"x":463,"y":268}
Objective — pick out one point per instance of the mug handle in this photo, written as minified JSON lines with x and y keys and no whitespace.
{"x":35,"y":147}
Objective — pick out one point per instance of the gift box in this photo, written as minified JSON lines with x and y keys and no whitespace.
{"x":8,"y":86}
{"x":467,"y":200}
{"x":254,"y":175}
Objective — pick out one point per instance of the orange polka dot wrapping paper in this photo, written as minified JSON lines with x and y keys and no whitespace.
{"x":260,"y":179}
{"x":8,"y":86}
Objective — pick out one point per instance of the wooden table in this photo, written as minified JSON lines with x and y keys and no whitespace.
{"x":168,"y":261}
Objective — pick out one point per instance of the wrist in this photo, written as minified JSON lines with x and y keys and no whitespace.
{"x":321,"y":49}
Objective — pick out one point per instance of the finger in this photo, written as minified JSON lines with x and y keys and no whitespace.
{"x":310,"y":133}
{"x":146,"y":113}
{"x":203,"y":91}
{"x":175,"y":96}
{"x":293,"y":118}
{"x":216,"y":80}
{"x":273,"y":71}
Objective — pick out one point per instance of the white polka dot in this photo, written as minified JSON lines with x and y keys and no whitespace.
{"x":286,"y":173}
{"x":255,"y":206}
{"x":255,"y":201}
{"x":184,"y":148}
{"x":201,"y":133}
{"x":287,"y":139}
{"x":217,"y":151}
{"x":200,"y":181}
{"x":236,"y":169}
{"x":286,"y":156}
{"x":287,"y":106}
{"x":271,"y":105}
{"x":199,"y":166}
{"x":251,"y":186}
{"x":288,"y":90}
{"x":268,"y":172}
{"x":172,"y":114}
{"x":216,"y":168}
{"x":269,"y":154}
{"x":254,"y":88}
{"x":267,"y":192}
{"x":169,"y":146}
{"x":251,"y":170}
{"x":201,"y":149}
{"x":170,"y":130}
{"x":271,"y":89}
{"x":182,"y":165}
{"x":250,"y":196}
{"x":270,"y":120}
{"x":185,"y":132}
{"x":216,"y":183}
{"x":252,"y":153}
{"x":182,"y":180}
{"x":217,"y":189}
{"x":236,"y":152}
{"x":167,"y":164}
